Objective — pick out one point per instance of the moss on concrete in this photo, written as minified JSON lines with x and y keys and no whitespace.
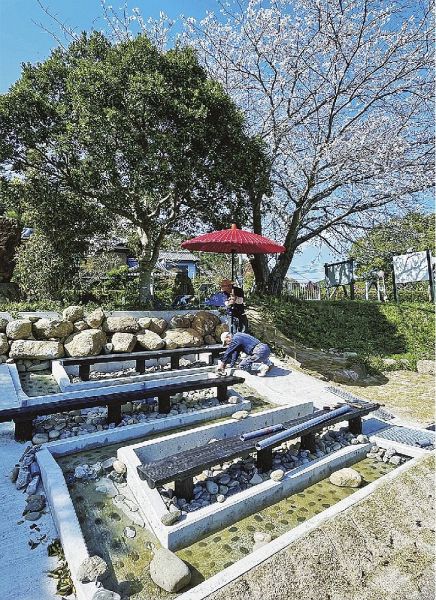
{"x":379,"y":549}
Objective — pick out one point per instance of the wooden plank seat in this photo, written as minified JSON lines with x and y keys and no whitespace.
{"x":24,"y":415}
{"x":183,"y":466}
{"x":85,"y":363}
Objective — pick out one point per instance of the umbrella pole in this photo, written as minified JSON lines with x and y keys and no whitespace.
{"x":233,"y":279}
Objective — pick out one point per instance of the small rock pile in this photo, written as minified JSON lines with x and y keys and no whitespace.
{"x":387,"y":455}
{"x":26,"y":474}
{"x":224,"y":480}
{"x":81,"y":422}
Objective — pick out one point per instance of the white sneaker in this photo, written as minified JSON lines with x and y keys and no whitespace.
{"x":263,"y":370}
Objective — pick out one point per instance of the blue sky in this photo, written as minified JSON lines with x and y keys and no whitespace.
{"x":23,"y":40}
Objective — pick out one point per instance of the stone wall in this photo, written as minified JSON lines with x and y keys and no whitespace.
{"x":32,"y":342}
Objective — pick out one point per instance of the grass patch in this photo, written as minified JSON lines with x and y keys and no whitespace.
{"x":405,"y":330}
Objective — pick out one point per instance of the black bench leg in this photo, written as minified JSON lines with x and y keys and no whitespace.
{"x":355,"y":425}
{"x":183,"y":488}
{"x":23,"y":430}
{"x":308,"y":443}
{"x":221,"y":393}
{"x":211,"y":361}
{"x":175,"y":364}
{"x":114,"y":413}
{"x":84,"y":371}
{"x":164,"y":403}
{"x":264,"y":459}
{"x":140,"y":365}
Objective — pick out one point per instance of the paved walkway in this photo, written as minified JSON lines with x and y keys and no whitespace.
{"x":23,"y":569}
{"x":282,"y":385}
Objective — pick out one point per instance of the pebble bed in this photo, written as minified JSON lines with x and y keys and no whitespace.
{"x":113,"y":528}
{"x":81,"y":422}
{"x":227,"y":479}
{"x":131,"y":372}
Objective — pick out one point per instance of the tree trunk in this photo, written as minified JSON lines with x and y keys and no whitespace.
{"x":278,"y":273}
{"x":145,"y":274}
{"x":150,"y":246}
{"x":259,"y":262}
{"x":260,"y":269}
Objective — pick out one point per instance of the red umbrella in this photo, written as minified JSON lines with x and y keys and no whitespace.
{"x":231,"y":241}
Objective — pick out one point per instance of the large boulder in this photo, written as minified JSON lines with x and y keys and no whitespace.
{"x":3,"y":323}
{"x":424,"y":366}
{"x":121,"y":325}
{"x":157,"y":325}
{"x":36,"y":349}
{"x":73,"y":313}
{"x":219,"y":330}
{"x":85,"y":343}
{"x":168,"y":571}
{"x":4,"y":346}
{"x":44,"y":329}
{"x":19,"y":329}
{"x":95,"y":318}
{"x":150,"y":340}
{"x":180,"y":322}
{"x":182,"y":338}
{"x":346,"y":478}
{"x":123,"y":342}
{"x":205,"y":322}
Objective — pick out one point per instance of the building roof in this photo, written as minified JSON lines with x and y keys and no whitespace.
{"x":177,"y":255}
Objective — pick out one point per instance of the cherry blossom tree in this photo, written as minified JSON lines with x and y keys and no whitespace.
{"x":340,"y":92}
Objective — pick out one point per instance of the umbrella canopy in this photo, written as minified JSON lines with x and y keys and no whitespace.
{"x":233,"y":240}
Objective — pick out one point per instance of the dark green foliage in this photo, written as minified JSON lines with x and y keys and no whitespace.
{"x":413,"y":232}
{"x":364,"y":327}
{"x":182,"y":285}
{"x":101,"y":132}
{"x":10,"y":237}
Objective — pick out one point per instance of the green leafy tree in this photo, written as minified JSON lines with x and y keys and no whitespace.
{"x":102,"y":132}
{"x":45,"y":271}
{"x":412,"y":232}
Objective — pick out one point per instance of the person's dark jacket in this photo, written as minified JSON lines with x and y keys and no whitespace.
{"x":241,"y":342}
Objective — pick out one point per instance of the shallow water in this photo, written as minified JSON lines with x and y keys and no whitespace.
{"x":103,"y":524}
{"x":39,"y":384}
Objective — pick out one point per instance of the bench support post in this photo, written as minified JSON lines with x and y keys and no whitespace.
{"x":175,"y":362}
{"x":355,"y":425}
{"x":183,"y":488}
{"x":23,"y":430}
{"x":84,"y":371}
{"x":264,"y":459}
{"x":221,"y":393}
{"x":308,"y":442}
{"x":140,"y":365}
{"x":114,"y":413}
{"x":164,"y":403}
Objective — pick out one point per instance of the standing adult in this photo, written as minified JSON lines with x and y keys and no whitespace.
{"x":235,"y":306}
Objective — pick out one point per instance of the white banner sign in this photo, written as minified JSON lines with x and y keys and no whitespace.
{"x":341,"y":274}
{"x":411,"y":267}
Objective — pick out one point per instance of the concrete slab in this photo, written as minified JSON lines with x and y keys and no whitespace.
{"x":286,"y":387}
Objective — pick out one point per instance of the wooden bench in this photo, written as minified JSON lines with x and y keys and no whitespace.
{"x":24,"y":415}
{"x":140,"y":357}
{"x":183,"y":466}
